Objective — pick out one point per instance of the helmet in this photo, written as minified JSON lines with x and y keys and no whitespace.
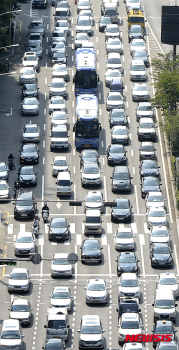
{"x":7,"y":59}
{"x":17,"y":183}
{"x":45,"y":204}
{"x":11,"y":154}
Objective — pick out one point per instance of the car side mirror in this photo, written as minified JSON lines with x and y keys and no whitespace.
{"x":152,"y":304}
{"x":45,"y":326}
{"x":139,"y":310}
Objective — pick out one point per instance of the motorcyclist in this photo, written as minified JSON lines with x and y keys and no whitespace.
{"x":45,"y":207}
{"x":11,"y":159}
{"x":17,"y":187}
{"x":36,"y":221}
{"x":7,"y":64}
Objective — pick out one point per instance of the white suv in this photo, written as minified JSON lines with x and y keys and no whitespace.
{"x":129,"y":323}
{"x":129,"y":286}
{"x":11,"y":336}
{"x":91,"y":332}
{"x":59,"y":137}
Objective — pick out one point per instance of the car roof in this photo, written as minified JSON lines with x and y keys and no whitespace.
{"x":155,"y":193}
{"x":167,"y":275}
{"x":130,"y":316}
{"x":7,"y":324}
{"x":124,"y":229}
{"x":62,"y":289}
{"x":163,"y":323}
{"x":156,"y":209}
{"x":24,"y":234}
{"x":96,"y":281}
{"x":30,"y":125}
{"x":25,"y":195}
{"x":121,"y":169}
{"x":121,"y":200}
{"x":146,"y":120}
{"x":144,"y":104}
{"x":90,"y":320}
{"x":138,"y":62}
{"x":20,"y":302}
{"x":114,"y":54}
{"x":58,"y":219}
{"x":127,"y":254}
{"x":60,"y":256}
{"x":91,"y":241}
{"x":19,"y":270}
{"x":129,"y":276}
{"x":147,"y":143}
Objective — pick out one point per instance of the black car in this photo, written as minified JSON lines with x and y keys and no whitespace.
{"x":103,"y":22}
{"x":135,"y":31}
{"x":127,"y":262}
{"x":147,"y":151}
{"x":25,"y":206}
{"x":121,"y":179}
{"x":88,"y":156}
{"x":163,"y":327}
{"x":27,"y":175}
{"x":58,"y":229}
{"x":121,"y":212}
{"x":116,"y":154}
{"x":91,"y":251}
{"x":29,"y":153}
{"x":54,"y":344}
{"x":149,"y":168}
{"x":39,"y":3}
{"x":148,"y":184}
{"x":128,"y":305}
{"x":161,"y":255}
{"x":141,"y":55}
{"x":30,"y":90}
{"x":117,"y":117}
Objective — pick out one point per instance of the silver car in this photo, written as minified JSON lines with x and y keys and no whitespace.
{"x":63,"y":24}
{"x":159,"y":234}
{"x":120,"y":134}
{"x":27,"y":75}
{"x":140,"y":92}
{"x":112,"y":31}
{"x":11,"y":336}
{"x":114,"y":61}
{"x":31,"y":133}
{"x":24,"y":243}
{"x":147,"y":151}
{"x":58,"y":88}
{"x":154,"y":199}
{"x":170,"y":281}
{"x":83,"y":5}
{"x":84,"y":25}
{"x":19,"y":280}
{"x":114,"y":45}
{"x":80,"y":39}
{"x":144,"y":109}
{"x":60,"y":266}
{"x":4,"y":190}
{"x":90,"y":174}
{"x":137,"y":45}
{"x":56,"y":46}
{"x":59,"y":118}
{"x":20,"y":310}
{"x":96,"y":291}
{"x":60,"y":71}
{"x":4,"y":171}
{"x":114,"y":100}
{"x":110,"y":74}
{"x":124,"y":239}
{"x":61,"y":297}
{"x":34,"y":38}
{"x":58,"y":35}
{"x":30,"y":105}
{"x":146,"y":129}
{"x":94,"y":200}
{"x":37,"y":48}
{"x":129,"y":286}
{"x":60,"y":163}
{"x":30,"y":59}
{"x":156,"y":216}
{"x":137,"y":70}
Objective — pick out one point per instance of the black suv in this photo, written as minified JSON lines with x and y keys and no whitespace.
{"x":128,"y":304}
{"x":121,"y":179}
{"x":25,"y":206}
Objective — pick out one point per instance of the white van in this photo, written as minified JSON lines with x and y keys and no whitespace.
{"x":57,"y":323}
{"x":93,"y":222}
{"x":64,"y":183}
{"x":59,"y":137}
{"x":164,"y":304}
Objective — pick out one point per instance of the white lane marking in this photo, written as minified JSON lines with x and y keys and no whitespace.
{"x":109,"y":227}
{"x":127,"y":104}
{"x":73,"y":151}
{"x":136,"y":197}
{"x":97,"y":52}
{"x":132,"y":153}
{"x":83,"y":227}
{"x":72,"y":72}
{"x":73,"y":88}
{"x":176,"y":258}
{"x":47,"y":39}
{"x":73,"y":136}
{"x":103,"y":161}
{"x":47,"y":26}
{"x":42,"y":189}
{"x":72,"y":20}
{"x":142,"y":242}
{"x":46,"y":228}
{"x":121,"y":226}
{"x":146,"y":230}
{"x":97,"y":39}
{"x":100,"y":111}
{"x":134,"y":227}
{"x":130,"y":136}
{"x":44,"y":127}
{"x":74,"y":169}
{"x":10,"y":229}
{"x":103,"y":238}
{"x":58,"y":204}
{"x":98,"y":65}
{"x":126,"y":88}
{"x":46,"y":65}
{"x":46,"y":51}
{"x":99,"y":96}
{"x":73,"y":104}
{"x":133,"y":169}
{"x":43,"y":161}
{"x":44,"y":144}
{"x":102,"y":143}
{"x":128,"y":119}
{"x":45,"y":111}
{"x":109,"y":261}
{"x":78,"y":239}
{"x":96,"y":26}
{"x":72,"y":227}
{"x":73,"y":119}
{"x":72,"y":33}
{"x":74,"y":198}
{"x":41,"y":239}
{"x":22,"y":228}
{"x":72,"y":58}
{"x":45,"y":80}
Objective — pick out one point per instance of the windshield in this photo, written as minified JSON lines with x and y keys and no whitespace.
{"x":57,"y":101}
{"x":135,"y":30}
{"x":29,"y":58}
{"x":124,"y":235}
{"x":58,"y":55}
{"x":30,"y":101}
{"x":56,"y":224}
{"x":155,"y":214}
{"x":86,"y":79}
{"x":2,"y":168}
{"x":29,"y":149}
{"x":167,"y":329}
{"x":10,"y":335}
{"x":56,"y":324}
{"x":116,"y":149}
{"x":26,"y":171}
{"x":96,"y":287}
{"x":60,"y":295}
{"x":130,"y":325}
{"x":114,"y":60}
{"x":127,"y":259}
{"x":110,"y":13}
{"x":93,"y":220}
{"x":24,"y":240}
{"x":115,"y":98}
{"x":145,"y":108}
{"x":151,"y":182}
{"x":60,"y":134}
{"x":27,"y":71}
{"x":138,"y":67}
{"x":128,"y":308}
{"x":121,"y":131}
{"x":20,"y":308}
{"x":146,"y":125}
{"x":59,"y":69}
{"x":105,"y":20}
{"x":168,"y":281}
{"x":121,"y":176}
{"x":113,"y":42}
{"x":164,"y":304}
{"x":64,"y":183}
{"x":36,"y":25}
{"x":160,"y":233}
{"x":129,"y":283}
{"x":87,"y":129}
{"x":62,"y":261}
{"x":81,"y":36}
{"x":161,"y":250}
{"x":91,"y":246}
{"x":3,"y":186}
{"x":91,"y":170}
{"x":122,"y":204}
{"x":59,"y":117}
{"x":30,"y":129}
{"x":30,"y":87}
{"x":140,"y":54}
{"x":113,"y":74}
{"x":60,"y":162}
{"x":94,"y":198}
{"x":136,"y":19}
{"x":140,"y":88}
{"x":18,"y":276}
{"x":152,"y":198}
{"x":82,"y":22}
{"x":149,"y":165}
{"x":147,"y":148}
{"x":91,"y":330}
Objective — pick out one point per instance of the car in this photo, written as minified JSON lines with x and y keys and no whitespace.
{"x":124,"y":239}
{"x":112,"y":31}
{"x":144,"y":109}
{"x":154,"y":199}
{"x":30,"y":59}
{"x":103,"y":22}
{"x":91,"y":251}
{"x":63,"y":4}
{"x":34,"y":38}
{"x":127,"y":262}
{"x":62,"y":11}
{"x":156,"y":216}
{"x":11,"y":335}
{"x":60,"y":71}
{"x":149,"y":167}
{"x":56,"y":103}
{"x":24,"y":243}
{"x":61,"y":297}
{"x":37,"y":25}
{"x":147,"y":151}
{"x":117,"y":85}
{"x":114,"y":45}
{"x":25,"y":206}
{"x":161,"y":255}
{"x":59,"y":118}
{"x":110,"y":74}
{"x":129,"y":323}
{"x":141,"y":55}
{"x":146,"y":129}
{"x":149,"y":184}
{"x":84,"y":25}
{"x":88,"y":156}
{"x":19,"y":280}
{"x":4,"y":190}
{"x":121,"y":212}
{"x":135,"y":31}
{"x":58,"y":229}
{"x":163,"y":327}
{"x":39,"y":3}
{"x":30,"y":105}
{"x":169,"y":280}
{"x":30,"y":90}
{"x":121,"y":179}
{"x":37,"y":48}
{"x":114,"y":100}
{"x":29,"y":153}
{"x":114,"y":62}
{"x":20,"y":310}
{"x":31,"y":133}
{"x":63,"y":24}
{"x":159,"y":234}
{"x":58,"y":88}
{"x":120,"y":134}
{"x":59,"y":57}
{"x":57,"y":46}
{"x":116,"y":154}
{"x":27,"y":176}
{"x":164,"y":346}
{"x":96,"y":291}
{"x":90,"y":174}
{"x":58,"y":35}
{"x":140,"y":92}
{"x":118,"y":116}
{"x":133,"y":5}
{"x":61,"y":266}
{"x":128,"y":305}
{"x":133,"y":346}
{"x":129,"y":286}
{"x":54,"y":343}
{"x":94,"y":200}
{"x":80,"y":39}
{"x":137,"y":45}
{"x":137,"y":71}
{"x":91,"y":332}
{"x":87,"y":13}
{"x":59,"y":137}
{"x":4,"y":171}
{"x":60,"y":163}
{"x":27,"y":75}
{"x":83,"y":5}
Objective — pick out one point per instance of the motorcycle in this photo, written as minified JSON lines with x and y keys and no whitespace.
{"x":17,"y":192}
{"x":11,"y":164}
{"x":35,"y":229}
{"x":45,"y":215}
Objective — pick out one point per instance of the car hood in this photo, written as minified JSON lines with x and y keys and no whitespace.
{"x":146,"y":130}
{"x":24,"y":245}
{"x":130,"y":331}
{"x":32,"y":135}
{"x":58,"y":230}
{"x":90,"y":337}
{"x":121,"y":211}
{"x":4,"y":192}
{"x":163,"y":257}
{"x":32,"y":154}
{"x":26,"y":177}
{"x":60,"y":302}
{"x":127,"y":266}
{"x":129,"y":289}
{"x":149,"y":172}
{"x":29,"y":63}
{"x":94,"y":205}
{"x":60,"y":267}
{"x":96,"y":294}
{"x":151,"y":188}
{"x":18,"y":282}
{"x":124,"y":240}
{"x":153,"y":204}
{"x":91,"y":252}
{"x":10,"y":342}
{"x":30,"y":107}
{"x":91,"y":176}
{"x":25,"y":75}
{"x":159,"y":239}
{"x":19,"y":314}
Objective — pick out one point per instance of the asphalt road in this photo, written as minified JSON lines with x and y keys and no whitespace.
{"x":10,"y":140}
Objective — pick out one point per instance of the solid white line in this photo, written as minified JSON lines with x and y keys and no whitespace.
{"x":127,"y":104}
{"x":109,"y":261}
{"x":97,"y":39}
{"x":136,"y":197}
{"x":42,"y":188}
{"x":100,"y":111}
{"x":76,"y":263}
{"x":103,"y":161}
{"x":176,"y":258}
{"x":142,"y":242}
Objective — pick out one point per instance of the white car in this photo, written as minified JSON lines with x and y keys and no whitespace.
{"x":61,"y":266}
{"x":91,"y":332}
{"x":94,"y":200}
{"x":56,"y":103}
{"x":83,"y":25}
{"x":24,"y":243}
{"x":146,"y":129}
{"x":80,"y":39}
{"x":140,"y":92}
{"x":20,"y":310}
{"x":60,"y":163}
{"x":154,"y":199}
{"x":129,"y":286}
{"x":58,"y":88}
{"x":110,"y":74}
{"x":144,"y":109}
{"x":60,"y":71}
{"x":27,"y":75}
{"x":114,"y":100}
{"x":61,"y":297}
{"x":63,"y":24}
{"x":11,"y":336}
{"x":137,"y":70}
{"x":19,"y":280}
{"x":134,"y":346}
{"x":159,"y":234}
{"x":124,"y":239}
{"x":156,"y":216}
{"x":31,"y":133}
{"x":59,"y":118}
{"x":30,"y":59}
{"x":90,"y":174}
{"x":170,"y":281}
{"x":137,"y":45}
{"x":96,"y":291}
{"x":114,"y":45}
{"x":114,"y":61}
{"x":129,"y":323}
{"x":4,"y":190}
{"x":112,"y":31}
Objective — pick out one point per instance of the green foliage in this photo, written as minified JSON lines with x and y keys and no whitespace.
{"x":173,"y":164}
{"x":177,"y":199}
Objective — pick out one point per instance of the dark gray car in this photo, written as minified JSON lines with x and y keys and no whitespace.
{"x":148,"y":184}
{"x":117,"y":117}
{"x":121,"y":179}
{"x":58,"y":229}
{"x":27,"y":176}
{"x":121,"y":212}
{"x":149,"y":168}
{"x":116,"y":154}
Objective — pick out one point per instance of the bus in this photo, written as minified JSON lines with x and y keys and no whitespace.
{"x":136,"y":17}
{"x":87,"y":126}
{"x":86,"y":78}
